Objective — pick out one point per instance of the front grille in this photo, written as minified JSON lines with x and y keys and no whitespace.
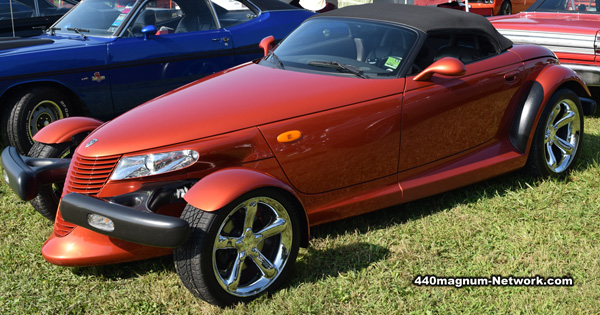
{"x":87,"y":175}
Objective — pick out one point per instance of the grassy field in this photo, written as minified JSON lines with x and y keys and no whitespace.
{"x":512,"y":225}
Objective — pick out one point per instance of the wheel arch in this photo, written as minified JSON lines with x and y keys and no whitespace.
{"x":65,"y":129}
{"x":79,"y":107}
{"x":549,"y":80}
{"x":218,"y":189}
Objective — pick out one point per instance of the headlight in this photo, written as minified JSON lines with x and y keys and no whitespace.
{"x":152,"y":164}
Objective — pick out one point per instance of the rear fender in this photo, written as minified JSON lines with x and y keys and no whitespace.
{"x":547,"y":82}
{"x":218,"y":189}
{"x":64,"y":129}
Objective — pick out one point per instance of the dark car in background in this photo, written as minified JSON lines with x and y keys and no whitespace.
{"x":24,"y":18}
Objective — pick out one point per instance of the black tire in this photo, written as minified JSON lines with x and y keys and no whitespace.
{"x":556,"y":146}
{"x":505,"y":8}
{"x":194,"y":261}
{"x":46,"y":201}
{"x":31,"y":111}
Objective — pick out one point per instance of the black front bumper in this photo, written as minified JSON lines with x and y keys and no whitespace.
{"x":24,"y":175}
{"x":132,"y":225}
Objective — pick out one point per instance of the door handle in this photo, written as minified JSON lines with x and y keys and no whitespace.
{"x":222,"y":39}
{"x":512,"y":76}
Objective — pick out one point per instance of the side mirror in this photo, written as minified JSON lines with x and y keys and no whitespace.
{"x":148,"y":31}
{"x":267,"y":44}
{"x":447,"y":66}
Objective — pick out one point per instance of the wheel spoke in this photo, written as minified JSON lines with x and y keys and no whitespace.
{"x":236,"y":272}
{"x":273,"y":229}
{"x":225,"y":242}
{"x":251,"y":208}
{"x":566,"y":147}
{"x":567,"y":118}
{"x":550,"y":158}
{"x":265,"y":266}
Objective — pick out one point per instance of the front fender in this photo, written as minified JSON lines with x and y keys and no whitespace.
{"x":543,"y":87}
{"x":217,"y":189}
{"x":62,"y":130}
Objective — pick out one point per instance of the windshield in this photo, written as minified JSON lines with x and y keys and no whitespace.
{"x":95,"y":18}
{"x":345,"y":48}
{"x":567,"y":6}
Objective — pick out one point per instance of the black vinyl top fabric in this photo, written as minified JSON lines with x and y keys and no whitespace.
{"x":426,"y":19}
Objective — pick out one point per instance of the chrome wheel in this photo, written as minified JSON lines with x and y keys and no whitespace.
{"x":562,"y":135}
{"x":242,"y":250}
{"x":252,"y":246}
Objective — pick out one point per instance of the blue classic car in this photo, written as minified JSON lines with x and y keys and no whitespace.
{"x":107,"y":56}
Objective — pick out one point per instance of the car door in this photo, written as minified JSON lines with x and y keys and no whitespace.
{"x":187,"y":45}
{"x":446,"y":115}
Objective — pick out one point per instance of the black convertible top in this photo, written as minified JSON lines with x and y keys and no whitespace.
{"x":426,"y":19}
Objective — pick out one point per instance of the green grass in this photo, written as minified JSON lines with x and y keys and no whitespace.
{"x":511,"y":225}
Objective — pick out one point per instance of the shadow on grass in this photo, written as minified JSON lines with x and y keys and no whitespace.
{"x":319,"y":264}
{"x":128,"y":270}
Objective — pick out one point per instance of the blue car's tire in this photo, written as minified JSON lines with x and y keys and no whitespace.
{"x":46,"y":201}
{"x":241,"y":251}
{"x":31,"y":111}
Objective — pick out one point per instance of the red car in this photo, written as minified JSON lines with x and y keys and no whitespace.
{"x":358,"y":109}
{"x":569,"y":28}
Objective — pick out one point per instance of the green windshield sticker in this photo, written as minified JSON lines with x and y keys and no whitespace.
{"x":393,"y":62}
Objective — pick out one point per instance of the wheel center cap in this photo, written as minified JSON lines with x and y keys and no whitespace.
{"x":247,"y":242}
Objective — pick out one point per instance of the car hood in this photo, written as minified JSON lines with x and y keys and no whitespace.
{"x":246,"y":96}
{"x":27,"y":56}
{"x":549,"y":22}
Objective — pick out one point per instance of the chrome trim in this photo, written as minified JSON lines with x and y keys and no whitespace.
{"x":557,"y":42}
{"x":588,"y":73}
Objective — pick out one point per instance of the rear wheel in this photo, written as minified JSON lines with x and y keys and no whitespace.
{"x":505,"y":8}
{"x":46,"y":201}
{"x":241,"y":251}
{"x":32,"y":111}
{"x":557,"y":140}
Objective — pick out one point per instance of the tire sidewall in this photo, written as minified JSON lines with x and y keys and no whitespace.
{"x":19,"y":133}
{"x":46,"y":202}
{"x":537,"y":159}
{"x":203,"y":238}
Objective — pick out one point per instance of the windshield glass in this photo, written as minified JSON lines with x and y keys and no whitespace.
{"x":567,"y":6}
{"x":345,"y":48}
{"x":95,"y":17}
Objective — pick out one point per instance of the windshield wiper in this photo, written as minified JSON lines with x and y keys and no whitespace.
{"x":274,"y":57}
{"x":78,"y":31}
{"x":340,"y":67}
{"x":53,"y":30}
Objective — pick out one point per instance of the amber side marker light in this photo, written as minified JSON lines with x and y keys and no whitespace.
{"x":289,"y":136}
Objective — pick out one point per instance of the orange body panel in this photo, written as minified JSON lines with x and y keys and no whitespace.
{"x":64,"y":129}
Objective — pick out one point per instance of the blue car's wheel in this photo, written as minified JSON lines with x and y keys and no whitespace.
{"x":241,"y":251}
{"x":557,"y":139}
{"x":46,"y":201}
{"x":31,"y":111}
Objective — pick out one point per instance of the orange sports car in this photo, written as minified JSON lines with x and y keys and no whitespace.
{"x":358,"y":109}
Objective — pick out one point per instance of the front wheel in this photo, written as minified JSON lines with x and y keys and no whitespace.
{"x":240,"y":251}
{"x":32,"y":111}
{"x":46,"y":201}
{"x":557,"y":139}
